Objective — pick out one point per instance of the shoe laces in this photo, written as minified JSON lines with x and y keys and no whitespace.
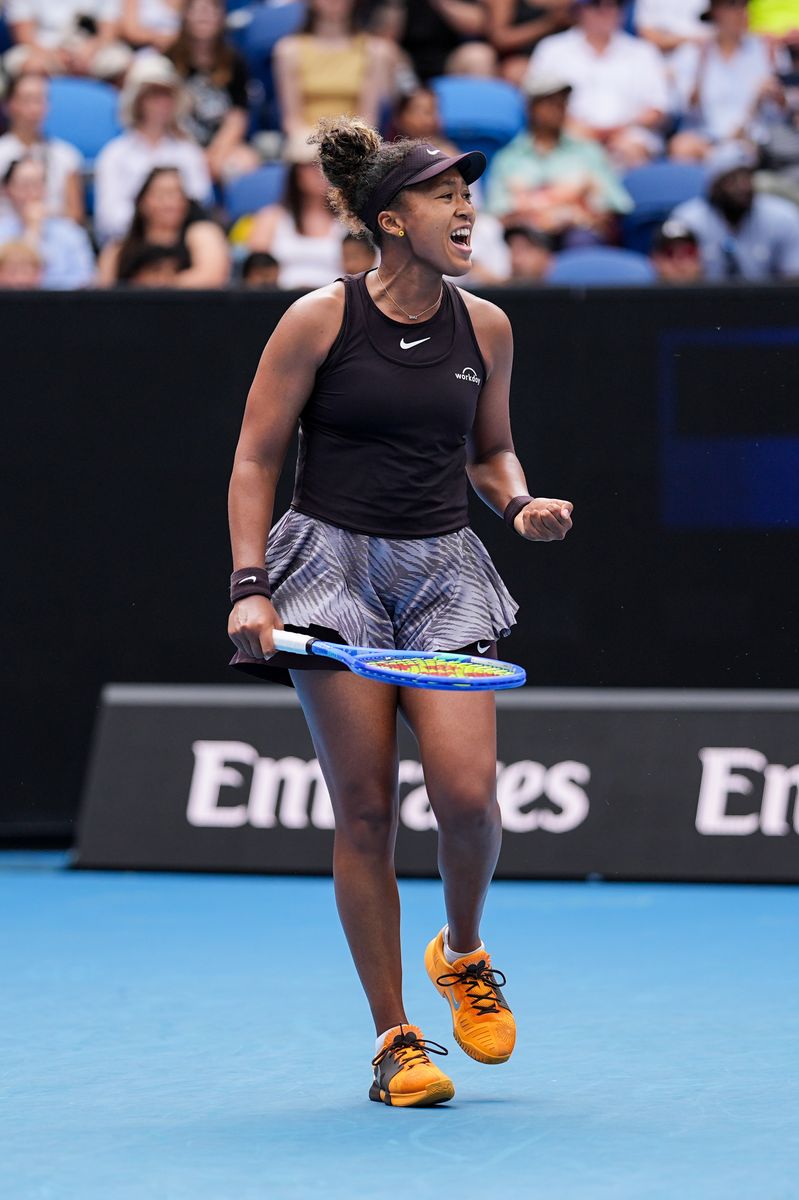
{"x":409,"y":1049}
{"x":474,"y":976}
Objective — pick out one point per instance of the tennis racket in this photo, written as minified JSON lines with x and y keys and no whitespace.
{"x":410,"y":668}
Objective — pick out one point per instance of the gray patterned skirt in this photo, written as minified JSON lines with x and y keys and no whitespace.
{"x":438,"y":593}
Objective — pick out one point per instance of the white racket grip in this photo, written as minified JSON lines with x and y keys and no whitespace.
{"x":293,"y":643}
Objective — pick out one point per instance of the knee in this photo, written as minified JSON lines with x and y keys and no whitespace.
{"x":366,"y":819}
{"x":468,"y":806}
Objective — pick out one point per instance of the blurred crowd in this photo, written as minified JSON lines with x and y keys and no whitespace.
{"x":163,"y":143}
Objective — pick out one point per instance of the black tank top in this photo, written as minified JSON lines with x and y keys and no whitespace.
{"x":383,"y":435}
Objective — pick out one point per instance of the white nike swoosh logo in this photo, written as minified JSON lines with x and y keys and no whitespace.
{"x":248,"y":579}
{"x":408,"y":345}
{"x":482,"y":647}
{"x":432,"y":151}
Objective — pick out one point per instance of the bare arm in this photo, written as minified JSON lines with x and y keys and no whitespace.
{"x":264,"y":226}
{"x":282,"y":384}
{"x":231,"y":132}
{"x":74,"y":206}
{"x":287,"y":84}
{"x":210,"y":257}
{"x":379,"y":79}
{"x":467,"y":19}
{"x":132,"y":30}
{"x":507,"y":37}
{"x":41,"y":58}
{"x":108,"y":265}
{"x":651,"y":118}
{"x":662,"y":39}
{"x":494,"y":471}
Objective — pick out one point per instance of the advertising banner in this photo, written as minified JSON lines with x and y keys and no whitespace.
{"x":612,"y":783}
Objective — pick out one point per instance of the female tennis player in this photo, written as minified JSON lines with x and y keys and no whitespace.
{"x":399,"y":382}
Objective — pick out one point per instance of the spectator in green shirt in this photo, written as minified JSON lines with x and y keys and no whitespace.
{"x":546,"y":178}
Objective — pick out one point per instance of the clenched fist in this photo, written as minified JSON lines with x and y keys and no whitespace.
{"x":544,"y":520}
{"x":250,"y":626}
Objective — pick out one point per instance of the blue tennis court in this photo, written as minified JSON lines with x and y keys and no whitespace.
{"x":205,"y":1037}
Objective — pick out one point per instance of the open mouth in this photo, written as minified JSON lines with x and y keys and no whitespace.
{"x":462,"y":237}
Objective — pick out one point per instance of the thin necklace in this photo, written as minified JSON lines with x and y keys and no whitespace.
{"x":410,"y":316}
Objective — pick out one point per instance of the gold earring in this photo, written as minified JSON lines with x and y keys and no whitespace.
{"x":401,"y":233}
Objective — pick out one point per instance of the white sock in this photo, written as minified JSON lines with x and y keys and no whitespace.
{"x":381,"y":1039}
{"x":453,"y":955}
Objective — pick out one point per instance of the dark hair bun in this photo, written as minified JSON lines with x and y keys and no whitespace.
{"x":345,"y":146}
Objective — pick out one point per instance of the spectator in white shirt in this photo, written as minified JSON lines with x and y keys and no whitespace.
{"x":26,"y":108}
{"x":742,"y":234}
{"x":619,"y":92}
{"x":65,"y":37}
{"x":150,"y":107}
{"x":668,"y":24}
{"x":722,"y":85}
{"x":62,"y":245}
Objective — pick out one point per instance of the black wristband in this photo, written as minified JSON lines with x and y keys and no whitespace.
{"x":249,"y":581}
{"x":514,"y":507}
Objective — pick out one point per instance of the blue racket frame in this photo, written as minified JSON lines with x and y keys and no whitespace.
{"x":365,"y":661}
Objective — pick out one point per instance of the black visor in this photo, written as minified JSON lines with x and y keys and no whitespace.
{"x":421,"y":163}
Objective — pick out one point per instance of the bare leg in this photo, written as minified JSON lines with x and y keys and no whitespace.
{"x":353,"y":725}
{"x":458,"y":744}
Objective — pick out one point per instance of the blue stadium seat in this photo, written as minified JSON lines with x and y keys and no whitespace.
{"x":656,"y":190}
{"x":250,"y":192}
{"x":600,"y":266}
{"x":479,"y":114}
{"x":5,"y":35}
{"x":628,"y":12}
{"x":254,"y":29}
{"x":268,"y":23}
{"x":83,"y":112}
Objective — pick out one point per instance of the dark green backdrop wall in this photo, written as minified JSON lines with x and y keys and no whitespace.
{"x":121,"y":414}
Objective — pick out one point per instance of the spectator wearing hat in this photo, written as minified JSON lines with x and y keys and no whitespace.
{"x":301,"y":232}
{"x":66,"y":37}
{"x":741,"y":234}
{"x":165,"y":219}
{"x":722,"y":85}
{"x":550,"y":179}
{"x":515,"y":27}
{"x":215,"y":78}
{"x":668,"y":24}
{"x":675,"y":254}
{"x":619,"y":90}
{"x":332,"y":68}
{"x":150,"y":106}
{"x":62,"y":245}
{"x":21,"y":266}
{"x":531,"y":255}
{"x":26,"y":108}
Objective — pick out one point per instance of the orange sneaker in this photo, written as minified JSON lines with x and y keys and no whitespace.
{"x":405,"y":1076}
{"x":482,"y":1023}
